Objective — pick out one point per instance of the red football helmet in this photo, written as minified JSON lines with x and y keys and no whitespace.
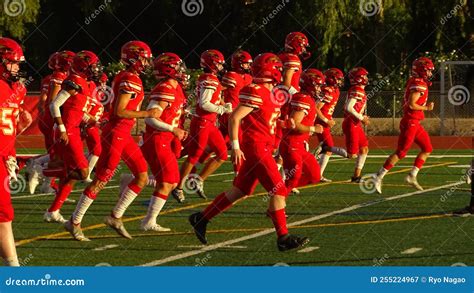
{"x":10,"y":52}
{"x":267,"y":67}
{"x":212,"y":60}
{"x":358,"y":76}
{"x":240,"y":58}
{"x":334,"y":77}
{"x":61,"y":61}
{"x":297,"y":43}
{"x":136,"y":55}
{"x":87,"y":65}
{"x":169,"y":65}
{"x":422,"y":67}
{"x":311,"y":81}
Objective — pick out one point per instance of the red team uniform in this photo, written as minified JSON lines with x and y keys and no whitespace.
{"x":329,"y":96}
{"x":91,"y":133}
{"x":352,"y":126}
{"x":157,"y":144}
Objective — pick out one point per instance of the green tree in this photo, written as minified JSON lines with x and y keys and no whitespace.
{"x":16,"y":15}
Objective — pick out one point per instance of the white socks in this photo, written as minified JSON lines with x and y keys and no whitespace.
{"x":382,"y":172}
{"x":11,"y":261}
{"x":124,"y":202}
{"x":414,"y":171}
{"x":154,"y":209}
{"x":81,"y":208}
{"x":323,"y":162}
{"x":92,"y":161}
{"x":360,"y":162}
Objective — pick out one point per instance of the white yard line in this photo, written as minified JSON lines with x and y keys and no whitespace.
{"x":308,"y":249}
{"x":459,"y":166}
{"x":102,"y":248}
{"x":412,"y":250}
{"x":297,"y":223}
{"x":201,"y":246}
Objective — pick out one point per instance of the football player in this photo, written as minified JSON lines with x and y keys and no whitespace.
{"x":325,"y":108}
{"x":118,"y":143}
{"x":301,"y":167}
{"x":68,"y":109}
{"x":14,"y":120}
{"x":354,"y":119}
{"x":168,"y":98}
{"x":257,"y":114}
{"x":203,"y":131}
{"x":411,"y":131}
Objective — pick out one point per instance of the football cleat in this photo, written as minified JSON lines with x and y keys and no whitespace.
{"x":153,"y":227}
{"x":200,"y":188}
{"x":118,"y":226}
{"x":325,"y":180}
{"x":75,"y":231}
{"x":46,"y":187}
{"x":295,"y":191}
{"x":178,"y":194}
{"x":199,"y":224}
{"x":377,"y":183}
{"x":356,"y":179}
{"x":288,"y":242}
{"x":54,"y":217}
{"x":413,"y":182}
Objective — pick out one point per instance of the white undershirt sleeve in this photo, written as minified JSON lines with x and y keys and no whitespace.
{"x":350,"y":108}
{"x":205,"y":102}
{"x":155,"y":123}
{"x":58,"y":101}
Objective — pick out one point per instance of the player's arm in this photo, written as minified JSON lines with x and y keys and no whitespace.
{"x":320,"y":115}
{"x":159,"y":124}
{"x":414,"y":96}
{"x":69,"y":90}
{"x":205,"y":103}
{"x":24,"y":121}
{"x":297,"y":116}
{"x":42,"y":100}
{"x":234,"y":123}
{"x":121,"y":110}
{"x":350,"y":109}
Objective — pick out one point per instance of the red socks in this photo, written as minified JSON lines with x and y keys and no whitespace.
{"x":387,"y":165}
{"x":218,"y":205}
{"x":418,"y":163}
{"x":61,"y":196}
{"x":279,"y":221}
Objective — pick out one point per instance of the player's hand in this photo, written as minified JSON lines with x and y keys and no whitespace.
{"x":430,"y":106}
{"x":228,"y":108}
{"x":237,"y":157}
{"x":180,"y":133}
{"x":64,"y":138}
{"x":318,"y":128}
{"x":366,"y":121}
{"x":24,"y":121}
{"x":331,"y":123}
{"x":153,"y":113}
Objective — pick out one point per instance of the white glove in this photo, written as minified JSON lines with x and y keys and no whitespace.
{"x":228,"y":108}
{"x":12,"y":167}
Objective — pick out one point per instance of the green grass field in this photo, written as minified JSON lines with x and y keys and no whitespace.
{"x":413,"y":229}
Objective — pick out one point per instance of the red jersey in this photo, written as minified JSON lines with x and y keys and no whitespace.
{"x":130,"y":83}
{"x":56,"y":79}
{"x":234,"y":82}
{"x":11,"y":97}
{"x":415,"y":84}
{"x":260,"y":124}
{"x":301,"y":102}
{"x":329,"y":98}
{"x":208,"y":81}
{"x":292,"y":61}
{"x":44,"y":87}
{"x":174,"y":96}
{"x":358,"y":93}
{"x":72,"y":111}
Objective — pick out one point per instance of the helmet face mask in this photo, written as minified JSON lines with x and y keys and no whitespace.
{"x":311,"y":82}
{"x":241,"y":62}
{"x":11,"y":57}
